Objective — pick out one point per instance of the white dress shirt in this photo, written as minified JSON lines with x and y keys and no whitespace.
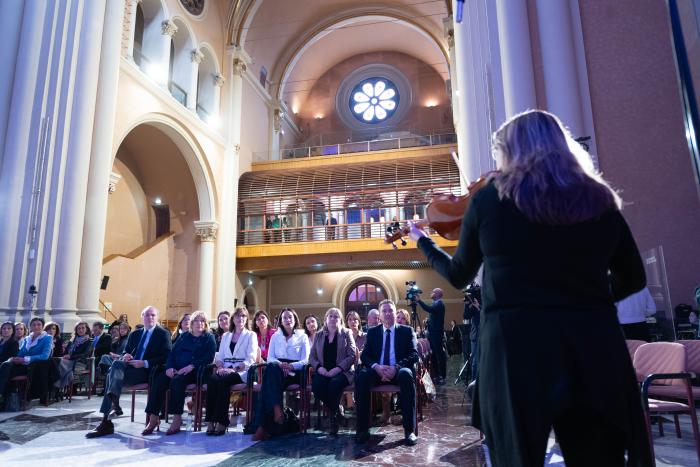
{"x":296,"y":348}
{"x":636,"y":307}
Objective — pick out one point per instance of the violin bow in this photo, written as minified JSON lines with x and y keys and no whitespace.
{"x":462,"y":176}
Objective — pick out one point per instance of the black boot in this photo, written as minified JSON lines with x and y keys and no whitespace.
{"x":334,"y":423}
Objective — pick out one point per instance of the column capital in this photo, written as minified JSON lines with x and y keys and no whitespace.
{"x":197,"y":56}
{"x":219,"y":79}
{"x":239,"y":66}
{"x":168,"y":28}
{"x":277,"y":116}
{"x":206,"y":230}
{"x":114,"y":179}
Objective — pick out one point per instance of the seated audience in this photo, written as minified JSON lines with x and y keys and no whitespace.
{"x":8,"y":344}
{"x":115,"y":336}
{"x":20,"y":331}
{"x":287,"y":356}
{"x":223,"y":321}
{"x":182,"y":327}
{"x":57,"y":344}
{"x":264,"y":331}
{"x":35,"y":347}
{"x":353,"y":321}
{"x":311,"y":326}
{"x":237,"y":352}
{"x":192,"y":352}
{"x":402,"y":317}
{"x":101,"y":342}
{"x":333,"y":355}
{"x":146,"y":349}
{"x":372,"y":319}
{"x":389,"y":356}
{"x":119,"y":333}
{"x":78,"y":349}
{"x":124,"y":331}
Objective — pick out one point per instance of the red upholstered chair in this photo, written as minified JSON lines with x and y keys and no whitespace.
{"x":144,"y":387}
{"x":663,"y":363}
{"x":633,"y":345}
{"x":692,"y":365}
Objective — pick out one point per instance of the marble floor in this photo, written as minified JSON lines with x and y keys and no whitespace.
{"x":56,"y":434}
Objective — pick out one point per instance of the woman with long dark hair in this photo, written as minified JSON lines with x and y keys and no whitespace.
{"x":8,"y":344}
{"x":78,"y":349}
{"x":556,"y":254}
{"x":264,"y":331}
{"x":223,"y":324}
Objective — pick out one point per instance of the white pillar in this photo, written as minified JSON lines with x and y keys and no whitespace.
{"x":100,"y":178}
{"x":168,"y":30}
{"x":561,"y":78}
{"x":16,"y":146}
{"x":196,"y":57}
{"x":72,"y":205}
{"x":516,"y":56}
{"x":10,"y":24}
{"x":206,"y":231}
{"x":226,"y":266}
{"x":472,"y":55}
{"x":133,"y":6}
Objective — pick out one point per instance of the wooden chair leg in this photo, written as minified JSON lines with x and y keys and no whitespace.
{"x":661,"y":425}
{"x":647,"y":420}
{"x":678,"y":426}
{"x":133,"y":405}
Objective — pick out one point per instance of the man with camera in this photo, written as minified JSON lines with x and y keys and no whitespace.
{"x":472,"y":313}
{"x":436,"y":332}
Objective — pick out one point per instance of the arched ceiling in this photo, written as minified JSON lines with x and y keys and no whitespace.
{"x":298,"y":40}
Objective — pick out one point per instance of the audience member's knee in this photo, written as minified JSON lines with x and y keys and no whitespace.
{"x":405,"y":374}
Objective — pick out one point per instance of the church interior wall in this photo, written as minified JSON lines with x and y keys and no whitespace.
{"x":640,"y":133}
{"x":255,"y":131}
{"x":430,"y":109}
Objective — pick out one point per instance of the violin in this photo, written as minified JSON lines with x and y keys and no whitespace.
{"x":443,"y":214}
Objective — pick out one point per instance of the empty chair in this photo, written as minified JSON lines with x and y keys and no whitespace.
{"x":633,"y":345}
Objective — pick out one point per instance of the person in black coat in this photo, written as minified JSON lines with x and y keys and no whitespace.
{"x":436,"y":333}
{"x":389,"y":357}
{"x":101,"y":341}
{"x":556,"y":255}
{"x":8,"y":344}
{"x":146,"y":350}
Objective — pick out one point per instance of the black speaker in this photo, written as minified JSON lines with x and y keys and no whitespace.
{"x":105,"y":281}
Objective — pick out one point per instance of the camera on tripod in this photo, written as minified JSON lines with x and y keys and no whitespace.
{"x":472,"y":293}
{"x":411,"y":291}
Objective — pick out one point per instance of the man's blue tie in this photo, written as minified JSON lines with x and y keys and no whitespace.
{"x":140,"y":349}
{"x":387,"y":347}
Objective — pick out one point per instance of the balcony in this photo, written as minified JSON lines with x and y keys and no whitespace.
{"x":362,"y":142}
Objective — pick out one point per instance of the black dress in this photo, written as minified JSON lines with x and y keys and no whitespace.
{"x":551,"y":350}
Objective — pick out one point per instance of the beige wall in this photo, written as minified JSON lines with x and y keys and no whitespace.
{"x":127,"y":213}
{"x":427,"y":85}
{"x":639,"y":129}
{"x":299,"y":290}
{"x":255,"y":126}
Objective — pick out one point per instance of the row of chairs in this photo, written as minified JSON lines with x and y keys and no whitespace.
{"x":666,"y":371}
{"x":302,"y":391}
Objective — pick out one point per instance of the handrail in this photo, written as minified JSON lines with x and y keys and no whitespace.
{"x":107,"y":310}
{"x":133,"y":254}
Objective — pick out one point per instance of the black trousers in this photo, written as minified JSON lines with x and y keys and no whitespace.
{"x":636,"y":331}
{"x":218,"y":397}
{"x":367,"y":378}
{"x":329,"y":390}
{"x":274,"y":384}
{"x":177,"y":385}
{"x":9,"y":370}
{"x":439,"y":356}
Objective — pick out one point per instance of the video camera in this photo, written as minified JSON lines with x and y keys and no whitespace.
{"x":472,"y":292}
{"x":411,"y":291}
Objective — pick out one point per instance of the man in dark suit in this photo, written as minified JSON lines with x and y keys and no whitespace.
{"x":389,"y":357}
{"x":101,"y":342}
{"x":146,"y":349}
{"x":436,"y":333}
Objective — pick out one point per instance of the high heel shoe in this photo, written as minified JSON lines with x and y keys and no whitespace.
{"x":151,"y":427}
{"x":173,"y":430}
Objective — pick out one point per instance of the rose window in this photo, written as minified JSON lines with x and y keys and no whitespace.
{"x":374,"y":100}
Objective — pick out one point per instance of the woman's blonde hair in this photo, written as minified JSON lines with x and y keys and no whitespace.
{"x":196,"y":315}
{"x":341,"y":320}
{"x":549,"y":176}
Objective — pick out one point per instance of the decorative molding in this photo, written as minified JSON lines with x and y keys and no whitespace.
{"x":277,"y":116}
{"x":219,"y":79}
{"x":239,"y":67}
{"x":197,"y":56}
{"x":168,"y":28}
{"x":114,"y":179}
{"x":206,"y":230}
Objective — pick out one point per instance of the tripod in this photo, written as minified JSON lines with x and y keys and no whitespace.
{"x":415,"y":320}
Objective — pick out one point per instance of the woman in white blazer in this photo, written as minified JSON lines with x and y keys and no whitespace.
{"x":237,"y":352}
{"x":286,"y":358}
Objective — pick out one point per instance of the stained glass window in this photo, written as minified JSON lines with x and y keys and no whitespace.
{"x":374,"y":100}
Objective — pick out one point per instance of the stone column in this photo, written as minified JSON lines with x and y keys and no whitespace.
{"x":101,"y":180}
{"x":133,"y":6}
{"x":206,"y":231}
{"x":168,"y":29}
{"x":561,"y":78}
{"x":472,"y":52}
{"x":196,"y":56}
{"x":219,"y":82}
{"x":237,"y":62}
{"x":516,"y":56}
{"x":73,"y":200}
{"x":28,"y":18}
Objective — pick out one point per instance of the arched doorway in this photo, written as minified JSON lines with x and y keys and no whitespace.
{"x":147,"y":264}
{"x":363,"y":296}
